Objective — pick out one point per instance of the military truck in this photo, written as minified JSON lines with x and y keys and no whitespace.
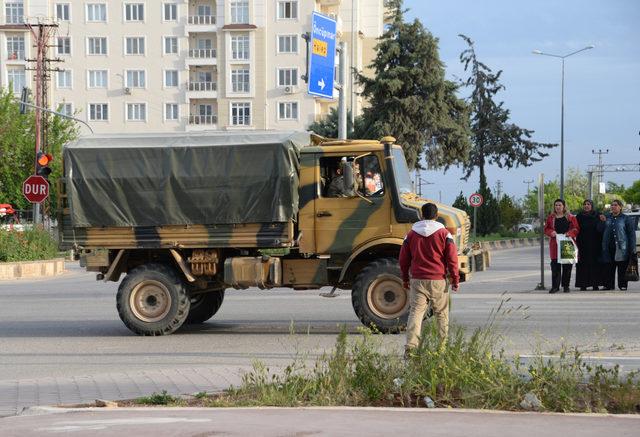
{"x":186,"y":216}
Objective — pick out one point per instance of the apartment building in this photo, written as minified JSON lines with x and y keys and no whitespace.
{"x":178,"y":65}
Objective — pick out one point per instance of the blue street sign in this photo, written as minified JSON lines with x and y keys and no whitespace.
{"x":323,"y":55}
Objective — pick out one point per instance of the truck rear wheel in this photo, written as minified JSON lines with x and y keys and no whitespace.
{"x":204,"y":306}
{"x":378,"y":297}
{"x":152,"y":300}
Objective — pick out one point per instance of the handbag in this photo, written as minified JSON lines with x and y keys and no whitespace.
{"x":632,"y":269}
{"x":567,"y":250}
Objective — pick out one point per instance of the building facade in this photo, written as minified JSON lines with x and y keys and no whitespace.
{"x":178,"y":65}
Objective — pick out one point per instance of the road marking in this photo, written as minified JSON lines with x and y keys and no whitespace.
{"x":94,"y":425}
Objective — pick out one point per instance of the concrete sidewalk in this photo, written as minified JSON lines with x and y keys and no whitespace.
{"x":158,"y":422}
{"x":16,"y":395}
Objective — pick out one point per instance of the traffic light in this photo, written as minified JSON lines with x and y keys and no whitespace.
{"x":42,"y":164}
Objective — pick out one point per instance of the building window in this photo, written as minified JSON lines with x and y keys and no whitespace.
{"x":134,"y":11}
{"x":171,"y":78}
{"x":17,"y":78}
{"x":136,"y":111}
{"x":97,"y":79}
{"x":240,"y":80}
{"x":134,"y":45}
{"x":239,"y":11}
{"x":97,"y":45}
{"x":98,"y":111}
{"x":288,"y":44}
{"x":170,"y":45}
{"x":63,"y":12}
{"x":171,"y":111}
{"x":241,"y":114}
{"x":15,"y":47}
{"x":288,"y":110}
{"x":64,"y":45}
{"x":287,"y":9}
{"x":64,"y":79}
{"x":14,"y":12}
{"x":240,"y":47}
{"x":287,"y":77}
{"x":136,"y":79}
{"x":65,"y":108}
{"x":170,"y":12}
{"x":97,"y":12}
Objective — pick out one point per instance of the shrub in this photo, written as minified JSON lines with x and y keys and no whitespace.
{"x":29,"y":245}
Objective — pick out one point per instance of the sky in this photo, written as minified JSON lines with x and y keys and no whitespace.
{"x":602,"y":85}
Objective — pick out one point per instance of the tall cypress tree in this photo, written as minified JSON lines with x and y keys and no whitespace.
{"x":409,"y":97}
{"x":489,"y":213}
{"x":495,"y":139}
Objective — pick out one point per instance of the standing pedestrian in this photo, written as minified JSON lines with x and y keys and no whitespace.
{"x":428,"y":254}
{"x":618,"y":244}
{"x":589,"y":243}
{"x":560,"y":221}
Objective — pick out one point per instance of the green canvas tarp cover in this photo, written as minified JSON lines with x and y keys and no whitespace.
{"x":183,"y":179}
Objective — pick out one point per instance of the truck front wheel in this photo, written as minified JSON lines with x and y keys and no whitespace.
{"x":204,"y":306}
{"x":152,"y":300}
{"x":378,"y":297}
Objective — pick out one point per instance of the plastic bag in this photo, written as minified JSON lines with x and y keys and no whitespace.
{"x":567,"y":250}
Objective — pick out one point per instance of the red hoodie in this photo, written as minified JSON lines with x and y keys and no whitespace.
{"x":429,"y":253}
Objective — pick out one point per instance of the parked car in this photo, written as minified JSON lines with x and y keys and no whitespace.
{"x":527,"y":225}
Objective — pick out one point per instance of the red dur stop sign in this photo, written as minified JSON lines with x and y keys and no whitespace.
{"x":35,"y":189}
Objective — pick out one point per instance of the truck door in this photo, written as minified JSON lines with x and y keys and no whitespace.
{"x":346,"y":217}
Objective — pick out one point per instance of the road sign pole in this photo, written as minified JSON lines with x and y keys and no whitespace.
{"x":475,"y":220}
{"x":342,"y":104}
{"x":542,"y":220}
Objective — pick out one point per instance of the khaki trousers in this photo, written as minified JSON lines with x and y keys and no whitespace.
{"x":421,"y":292}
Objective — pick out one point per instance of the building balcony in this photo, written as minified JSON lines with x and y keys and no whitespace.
{"x":209,"y":120}
{"x":202,"y":90}
{"x":201,"y":57}
{"x":329,"y":2}
{"x":200,"y":23}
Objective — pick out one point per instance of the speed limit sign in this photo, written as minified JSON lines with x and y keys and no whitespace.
{"x":476,"y":200}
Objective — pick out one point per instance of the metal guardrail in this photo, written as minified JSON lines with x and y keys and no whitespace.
{"x":202,"y":53}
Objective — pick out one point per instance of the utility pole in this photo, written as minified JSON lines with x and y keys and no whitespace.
{"x":342,"y":98}
{"x":599,"y":173}
{"x":528,"y":182}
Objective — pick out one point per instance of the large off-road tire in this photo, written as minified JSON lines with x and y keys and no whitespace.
{"x":204,"y":306}
{"x":152,"y":300}
{"x":378,"y":297}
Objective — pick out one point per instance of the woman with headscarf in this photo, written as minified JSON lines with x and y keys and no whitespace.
{"x":589,"y":243}
{"x":618,"y":245}
{"x":560,"y":221}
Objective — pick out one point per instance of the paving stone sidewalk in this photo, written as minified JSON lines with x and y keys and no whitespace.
{"x":18,"y":394}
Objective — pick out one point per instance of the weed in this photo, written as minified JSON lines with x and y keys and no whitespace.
{"x":163,"y":398}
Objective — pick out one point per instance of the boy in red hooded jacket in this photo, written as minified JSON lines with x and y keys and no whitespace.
{"x":428,"y":253}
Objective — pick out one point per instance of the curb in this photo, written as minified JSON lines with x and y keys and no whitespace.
{"x":510,"y":244}
{"x":31,"y":269}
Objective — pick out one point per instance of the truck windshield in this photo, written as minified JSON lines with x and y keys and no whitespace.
{"x":402,"y":172}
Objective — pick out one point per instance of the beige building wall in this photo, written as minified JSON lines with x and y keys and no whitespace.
{"x":192,"y":81}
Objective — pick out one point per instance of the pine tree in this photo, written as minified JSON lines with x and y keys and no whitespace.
{"x":328,"y":126}
{"x":489,"y":213}
{"x":409,"y":97}
{"x":461,"y":203}
{"x":495,"y":139}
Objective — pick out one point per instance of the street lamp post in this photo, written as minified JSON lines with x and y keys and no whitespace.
{"x":563,"y":57}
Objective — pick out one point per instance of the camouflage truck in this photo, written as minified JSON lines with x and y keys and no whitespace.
{"x":186,"y":216}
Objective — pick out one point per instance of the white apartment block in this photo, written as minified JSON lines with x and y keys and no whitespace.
{"x":178,"y":65}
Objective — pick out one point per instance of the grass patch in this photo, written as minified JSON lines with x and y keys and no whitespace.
{"x":504,"y":235}
{"x":29,"y":245}
{"x":466,"y":373}
{"x":163,"y":398}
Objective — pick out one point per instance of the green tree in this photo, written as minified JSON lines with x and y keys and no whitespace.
{"x":461,"y":203}
{"x":576,"y":190}
{"x":489,"y":213}
{"x":409,"y":97}
{"x":632,"y":194}
{"x":17,"y":150}
{"x":614,"y":188}
{"x":495,"y":139}
{"x":510,"y":213}
{"x":328,"y":126}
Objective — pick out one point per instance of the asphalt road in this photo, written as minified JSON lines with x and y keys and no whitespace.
{"x":69,"y":326}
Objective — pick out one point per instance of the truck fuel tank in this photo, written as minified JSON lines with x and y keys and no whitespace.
{"x":244,"y":272}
